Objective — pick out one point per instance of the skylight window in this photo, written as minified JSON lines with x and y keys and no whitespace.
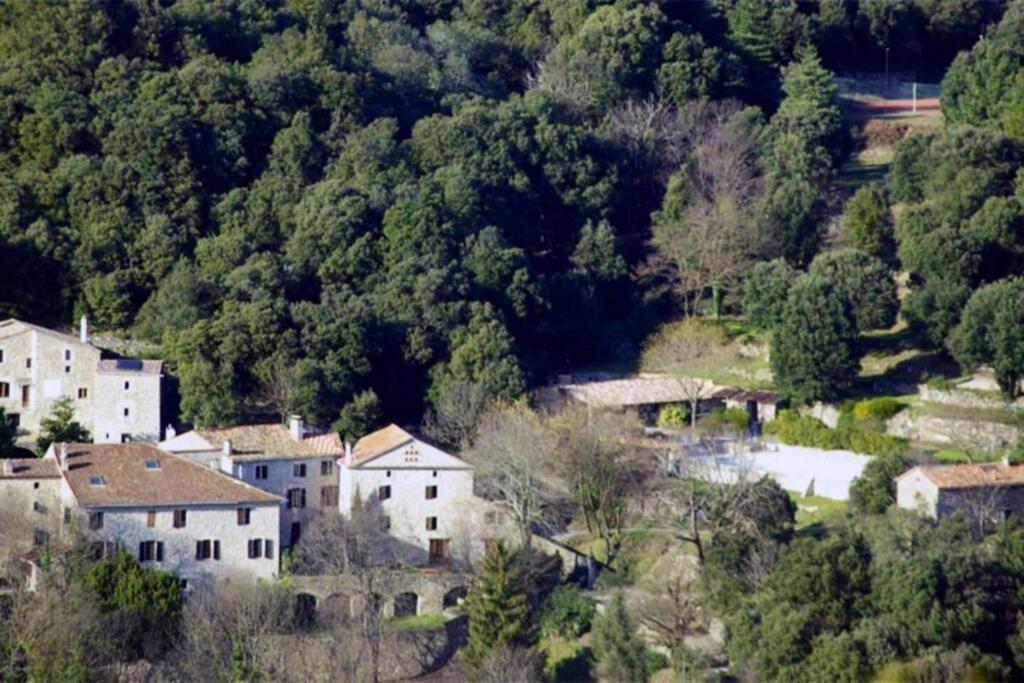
{"x":152,"y":464}
{"x":96,"y":480}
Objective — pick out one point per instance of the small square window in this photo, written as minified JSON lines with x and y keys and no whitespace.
{"x":151,"y":519}
{"x":126,"y":412}
{"x":152,"y":464}
{"x":431,"y":523}
{"x":28,"y":362}
{"x":384,"y":492}
{"x":431,"y":492}
{"x":435,"y":474}
{"x":83,"y":392}
{"x":127,"y":385}
{"x":67,"y":354}
{"x":95,"y":521}
{"x":261,"y":472}
{"x":67,"y":369}
{"x":96,"y":480}
{"x":326,"y":467}
{"x":299,"y":470}
{"x":180,"y":519}
{"x":244,"y":516}
{"x":388,"y":473}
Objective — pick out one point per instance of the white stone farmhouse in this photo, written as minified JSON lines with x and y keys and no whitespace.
{"x":285,"y":460}
{"x":984,"y":492}
{"x":171,"y":513}
{"x":115,"y":399}
{"x":425,"y":493}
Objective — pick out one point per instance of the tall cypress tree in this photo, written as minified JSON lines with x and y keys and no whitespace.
{"x":497,"y":609}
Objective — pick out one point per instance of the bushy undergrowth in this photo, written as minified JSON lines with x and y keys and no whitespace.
{"x":801,"y":430}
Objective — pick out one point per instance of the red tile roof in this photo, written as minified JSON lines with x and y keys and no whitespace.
{"x":379,"y":442}
{"x":254,"y":442}
{"x":126,"y":481}
{"x":972,"y":475}
{"x":29,"y":468}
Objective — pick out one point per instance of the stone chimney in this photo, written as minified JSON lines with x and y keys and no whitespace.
{"x":83,"y":329}
{"x":296,"y":427}
{"x":170,"y":432}
{"x":227,"y":448}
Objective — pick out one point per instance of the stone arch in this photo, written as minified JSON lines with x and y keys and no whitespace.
{"x":305,"y":609}
{"x":406,"y":604}
{"x":336,"y":607}
{"x":454,"y":597}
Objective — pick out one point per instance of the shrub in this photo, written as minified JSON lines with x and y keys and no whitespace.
{"x":881,"y":408}
{"x":799,"y":430}
{"x":736,"y":417}
{"x":568,"y":613}
{"x":941,"y":384}
{"x":875,"y":489}
{"x":673,"y":416}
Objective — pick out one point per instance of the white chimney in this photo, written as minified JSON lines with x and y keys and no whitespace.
{"x":227,"y":449}
{"x":296,"y":427}
{"x":170,"y":432}
{"x":83,"y":329}
{"x":348,"y":454}
{"x":1006,"y":461}
{"x":62,"y":456}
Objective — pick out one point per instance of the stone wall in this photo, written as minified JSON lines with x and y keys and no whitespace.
{"x":963,"y":398}
{"x":942,"y":430}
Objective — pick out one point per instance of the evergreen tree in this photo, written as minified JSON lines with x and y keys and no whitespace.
{"x":8,"y":435}
{"x":814,"y":346}
{"x":60,"y":426}
{"x":497,"y":609}
{"x":869,"y":223}
{"x":863,"y":283}
{"x":765,"y":292}
{"x":620,"y":654}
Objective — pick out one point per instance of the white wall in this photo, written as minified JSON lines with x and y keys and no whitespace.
{"x":141,"y":399}
{"x":128,"y":527}
{"x":915,"y":491}
{"x":281,"y":478}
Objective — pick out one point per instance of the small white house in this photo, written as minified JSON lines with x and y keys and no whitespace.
{"x":425,"y":494}
{"x":173,"y":514}
{"x":983,"y":492}
{"x":286,"y":460}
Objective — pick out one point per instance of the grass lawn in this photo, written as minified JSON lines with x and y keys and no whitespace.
{"x":423,"y":622}
{"x":814,"y":512}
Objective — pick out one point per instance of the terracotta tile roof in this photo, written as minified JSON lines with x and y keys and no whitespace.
{"x":126,"y":480}
{"x":254,"y":442}
{"x":29,"y":468}
{"x":124,"y":366}
{"x":972,"y":475}
{"x":379,"y":442}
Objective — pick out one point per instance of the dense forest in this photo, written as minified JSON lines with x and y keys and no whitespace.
{"x":358,"y":208}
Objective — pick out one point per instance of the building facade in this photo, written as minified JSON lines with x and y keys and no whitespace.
{"x":117,"y":400}
{"x":985,"y":493}
{"x":424,"y":494}
{"x":171,"y":513}
{"x":286,"y":460}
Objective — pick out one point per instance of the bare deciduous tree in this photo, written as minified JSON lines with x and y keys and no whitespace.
{"x":360,"y":548}
{"x":712,"y":236}
{"x":602,"y":468}
{"x":278,"y":379}
{"x":512,"y":456}
{"x":456,"y":416}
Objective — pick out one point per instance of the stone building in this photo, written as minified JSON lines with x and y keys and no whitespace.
{"x":425,"y":494}
{"x":985,"y":493}
{"x":29,"y":504}
{"x":171,"y":513}
{"x":117,"y":400}
{"x":287,"y":460}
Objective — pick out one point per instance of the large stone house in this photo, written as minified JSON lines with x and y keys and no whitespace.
{"x":425,"y":494}
{"x":984,"y":492}
{"x":117,"y":400}
{"x":286,"y":460}
{"x":170,"y":512}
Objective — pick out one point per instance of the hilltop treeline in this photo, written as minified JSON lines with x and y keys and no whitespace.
{"x":350,"y":208}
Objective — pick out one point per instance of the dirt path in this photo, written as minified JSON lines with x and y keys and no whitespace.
{"x":930,"y":106}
